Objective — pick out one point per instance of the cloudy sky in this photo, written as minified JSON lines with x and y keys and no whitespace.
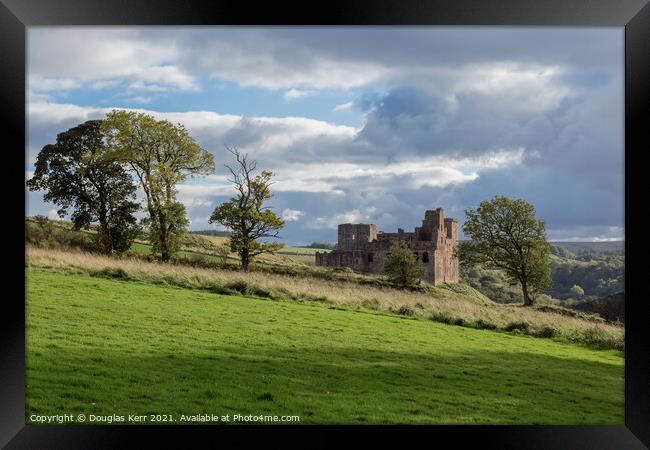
{"x":371,"y":125}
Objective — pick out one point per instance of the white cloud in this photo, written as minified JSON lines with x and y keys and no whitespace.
{"x":201,"y":191}
{"x":38,"y":83}
{"x":352,"y":216}
{"x":52,"y":214}
{"x":296,"y":94}
{"x":527,"y":87}
{"x":103,"y":84}
{"x":291,"y":215}
{"x":169,"y":75}
{"x":69,"y":57}
{"x":141,"y":86}
{"x":343,"y":107}
{"x":139,"y":99}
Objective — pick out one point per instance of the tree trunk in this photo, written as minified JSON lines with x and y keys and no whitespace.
{"x":245,"y":259}
{"x":164,"y":245}
{"x":105,"y":237}
{"x":524,"y":288}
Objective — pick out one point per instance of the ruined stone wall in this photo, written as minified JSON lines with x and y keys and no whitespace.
{"x":363,"y":249}
{"x":355,"y":236}
{"x":451,"y":273}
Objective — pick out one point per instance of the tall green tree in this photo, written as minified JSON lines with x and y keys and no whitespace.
{"x":402,"y":267}
{"x":161,"y":155}
{"x":245,"y":214}
{"x":78,"y":173}
{"x":505,"y":235}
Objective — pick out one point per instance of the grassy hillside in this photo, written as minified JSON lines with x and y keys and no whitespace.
{"x":196,"y":246}
{"x":107,"y":346}
{"x":455,"y":304}
{"x":596,"y":268}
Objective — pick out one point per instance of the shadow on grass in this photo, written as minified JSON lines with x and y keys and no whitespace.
{"x":329,"y":385}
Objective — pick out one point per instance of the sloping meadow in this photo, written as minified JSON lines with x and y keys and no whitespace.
{"x":453,"y":304}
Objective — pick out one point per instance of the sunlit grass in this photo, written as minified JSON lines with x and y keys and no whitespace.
{"x":104,"y":346}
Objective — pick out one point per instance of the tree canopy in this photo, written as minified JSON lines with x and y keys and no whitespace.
{"x":79,"y":174}
{"x":505,"y":235}
{"x":160,"y":154}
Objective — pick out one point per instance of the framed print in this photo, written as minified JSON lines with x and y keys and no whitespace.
{"x":354,"y":219}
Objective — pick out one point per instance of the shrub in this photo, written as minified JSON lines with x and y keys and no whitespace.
{"x":483,"y":325}
{"x":240,"y":286}
{"x":547,"y":331}
{"x":443,"y":317}
{"x":402,"y":267}
{"x":577,"y":291}
{"x":523,"y":326}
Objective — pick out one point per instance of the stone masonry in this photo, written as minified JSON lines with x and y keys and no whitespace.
{"x":364,"y":249}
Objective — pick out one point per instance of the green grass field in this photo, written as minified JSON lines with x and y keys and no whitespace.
{"x":101,"y":346}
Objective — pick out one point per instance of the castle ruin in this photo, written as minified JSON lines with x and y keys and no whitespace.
{"x":364,"y":249}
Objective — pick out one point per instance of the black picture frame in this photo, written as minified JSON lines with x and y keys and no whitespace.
{"x":634,"y":15}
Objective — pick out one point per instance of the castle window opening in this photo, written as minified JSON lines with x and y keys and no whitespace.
{"x":369,"y":257}
{"x":425,"y":257}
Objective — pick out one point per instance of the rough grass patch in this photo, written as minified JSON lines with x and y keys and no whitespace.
{"x":522,"y":326}
{"x":404,"y":311}
{"x":447,"y":318}
{"x":483,"y":325}
{"x":370,"y":303}
{"x":112,"y":272}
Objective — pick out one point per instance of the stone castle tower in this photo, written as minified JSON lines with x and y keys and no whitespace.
{"x":364,"y":249}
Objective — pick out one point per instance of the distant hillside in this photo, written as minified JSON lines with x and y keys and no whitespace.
{"x":579,"y":247}
{"x":587,"y":247}
{"x":212,"y":233}
{"x":580,"y":271}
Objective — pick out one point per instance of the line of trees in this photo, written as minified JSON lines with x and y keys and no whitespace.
{"x":94,"y":169}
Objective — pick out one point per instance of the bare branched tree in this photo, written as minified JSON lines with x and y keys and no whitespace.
{"x":245,"y":214}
